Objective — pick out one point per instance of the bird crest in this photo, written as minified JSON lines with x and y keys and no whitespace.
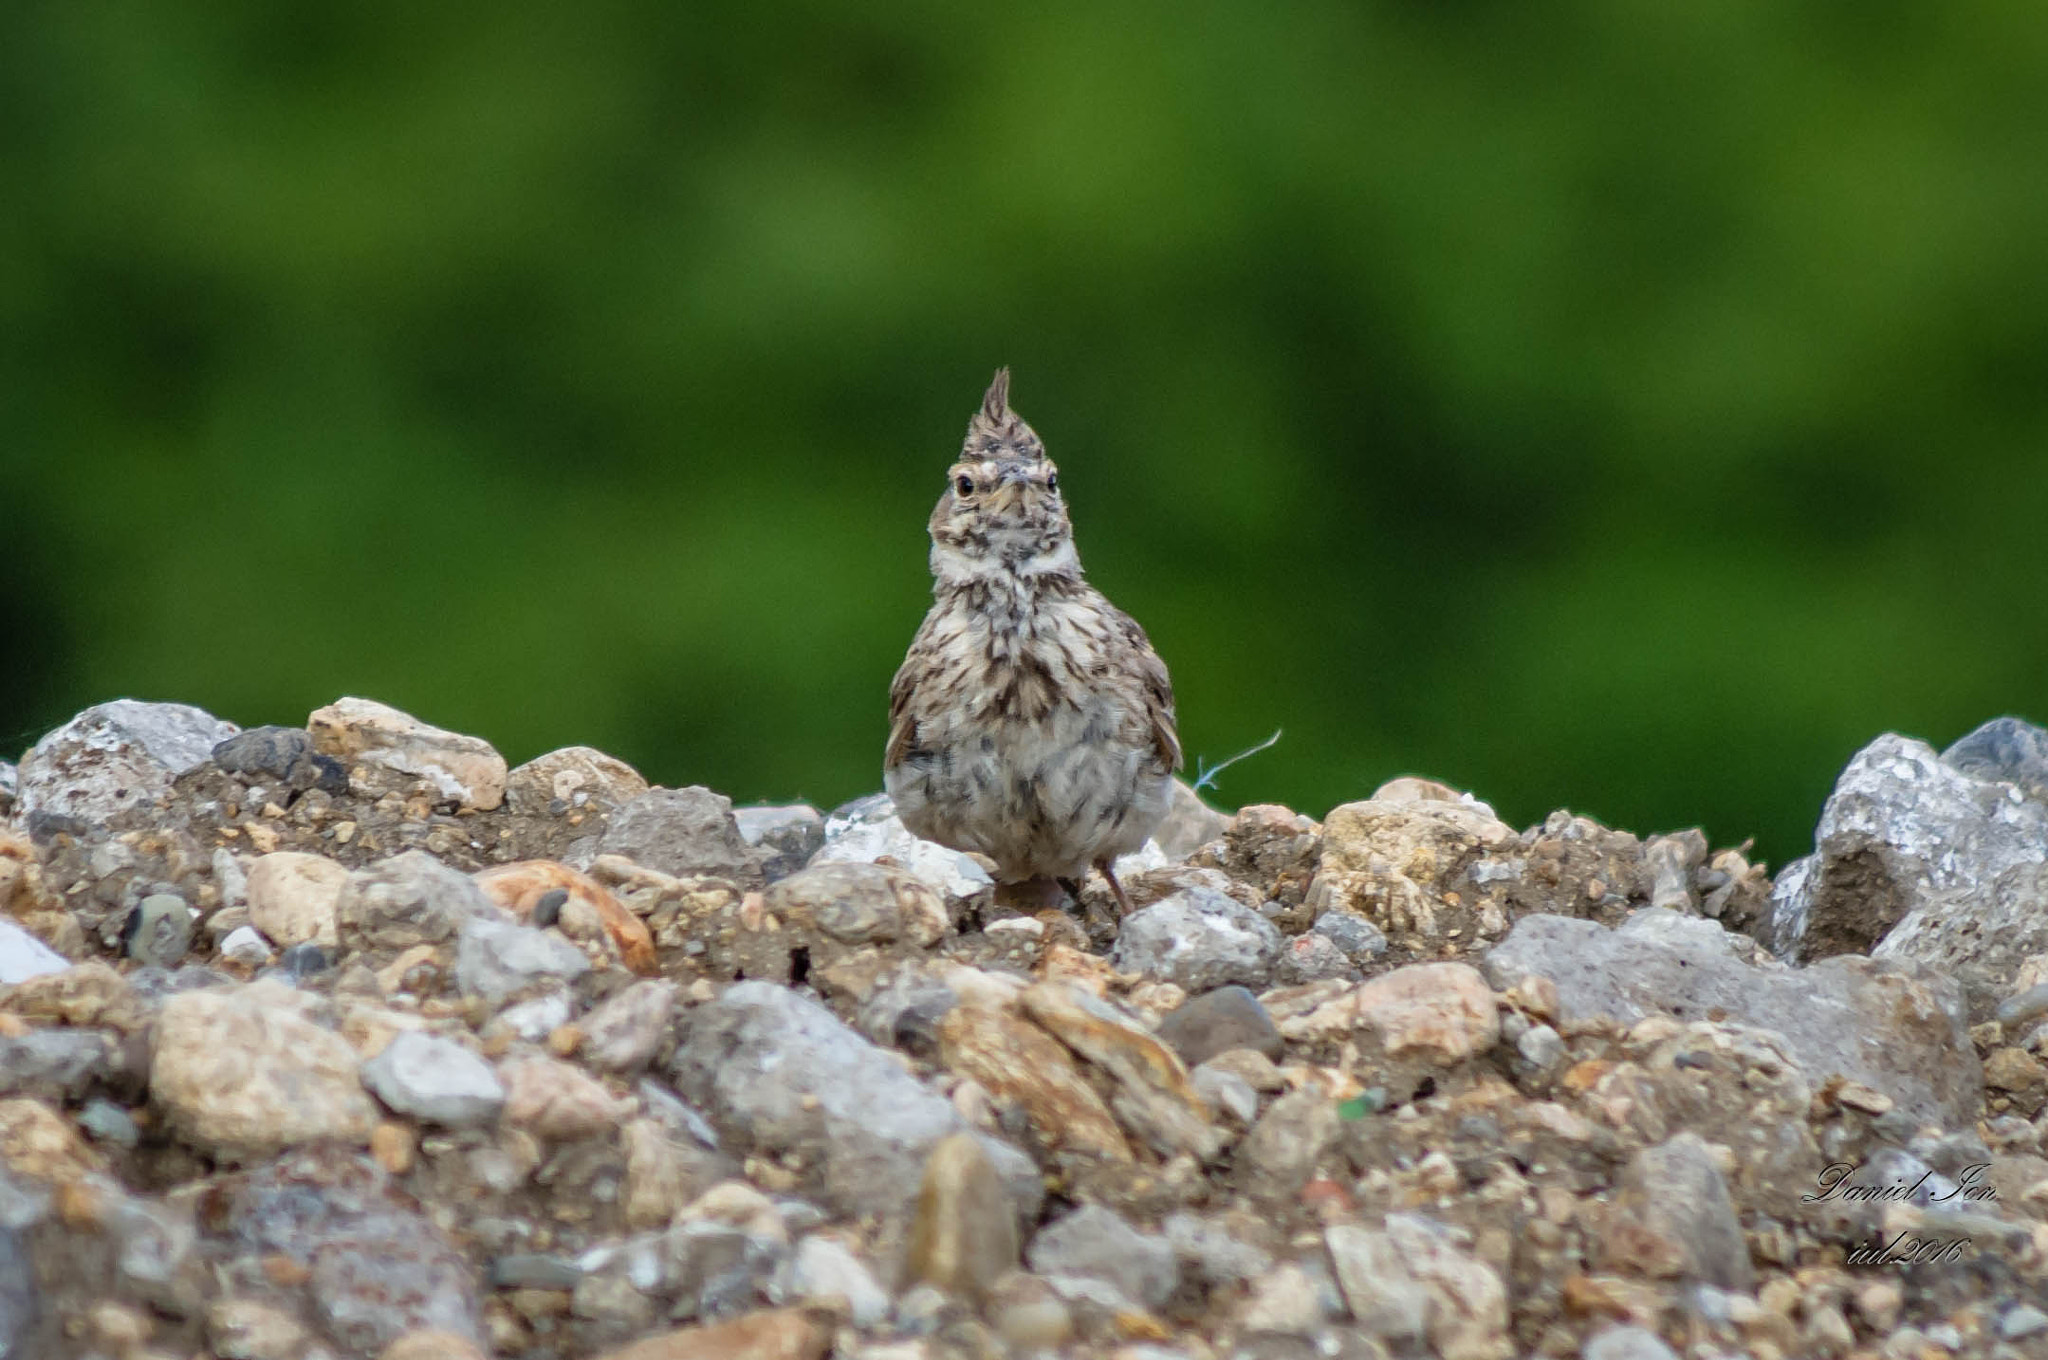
{"x":998,"y":433}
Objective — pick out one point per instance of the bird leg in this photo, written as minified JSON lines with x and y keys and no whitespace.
{"x":1123,"y":902}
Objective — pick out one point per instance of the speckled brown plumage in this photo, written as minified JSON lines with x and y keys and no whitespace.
{"x":1031,"y":720}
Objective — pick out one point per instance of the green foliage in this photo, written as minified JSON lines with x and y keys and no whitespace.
{"x":1629,"y":407}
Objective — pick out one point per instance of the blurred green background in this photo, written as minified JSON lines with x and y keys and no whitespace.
{"x":1626,"y":407}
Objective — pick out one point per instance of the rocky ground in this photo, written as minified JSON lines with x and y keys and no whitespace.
{"x":346,"y":1041}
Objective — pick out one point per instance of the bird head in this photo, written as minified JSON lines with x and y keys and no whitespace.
{"x":1001,"y":513}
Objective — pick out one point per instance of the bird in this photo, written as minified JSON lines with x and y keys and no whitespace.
{"x":1031,"y":721}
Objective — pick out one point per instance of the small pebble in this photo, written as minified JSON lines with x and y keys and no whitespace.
{"x":159,"y":930}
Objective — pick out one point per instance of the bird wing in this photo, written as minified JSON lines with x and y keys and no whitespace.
{"x":903,"y":722}
{"x":1157,"y":689}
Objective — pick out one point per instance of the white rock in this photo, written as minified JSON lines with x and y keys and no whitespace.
{"x":116,"y":761}
{"x":436,"y":1079}
{"x":23,"y":956}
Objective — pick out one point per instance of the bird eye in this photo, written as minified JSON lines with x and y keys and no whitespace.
{"x":1052,"y":481}
{"x":964,"y":484}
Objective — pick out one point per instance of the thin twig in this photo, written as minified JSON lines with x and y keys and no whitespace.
{"x":1206,"y":773}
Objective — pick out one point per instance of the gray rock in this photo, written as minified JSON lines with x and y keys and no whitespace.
{"x":2022,"y":1321}
{"x":622,"y":1034}
{"x":498,"y":959}
{"x":778,"y":1073}
{"x":1917,"y":859}
{"x":1359,"y":939}
{"x":406,"y":900}
{"x":534,"y":1270}
{"x":1626,"y":1343}
{"x":1226,"y":1018}
{"x":1408,"y":1281}
{"x":683,"y":832}
{"x":113,"y":765}
{"x":1310,"y":957}
{"x":867,"y":829}
{"x":1893,"y":1028}
{"x":1676,"y":1202}
{"x":282,"y":753}
{"x":1198,"y":939}
{"x":2023,"y":1009}
{"x":2010,"y":749}
{"x":858,"y":904}
{"x":1096,"y":1241}
{"x":109,"y":1123}
{"x":55,"y":1064}
{"x":20,"y":1301}
{"x":159,"y":930}
{"x":23,"y":956}
{"x":787,"y":836}
{"x":435,"y":1079}
{"x":1226,"y":1092}
{"x":377,"y":1268}
{"x":1212,"y":1253}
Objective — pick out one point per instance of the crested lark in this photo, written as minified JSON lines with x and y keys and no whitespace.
{"x":1031,"y":720}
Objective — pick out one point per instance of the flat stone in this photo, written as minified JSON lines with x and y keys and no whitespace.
{"x":963,"y":1237}
{"x":495,"y":959}
{"x":113,"y":765}
{"x":683,"y":832}
{"x":1359,"y":939}
{"x":779,"y":1074}
{"x":435,"y":1079}
{"x":1198,"y":939}
{"x":1096,"y":1241}
{"x":1889,"y":1027}
{"x":241,"y":1073}
{"x":376,"y":737}
{"x":292,"y":897}
{"x":406,"y":900}
{"x":1226,"y":1018}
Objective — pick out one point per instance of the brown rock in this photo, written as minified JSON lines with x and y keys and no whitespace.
{"x":401,"y":748}
{"x":1442,"y":1012}
{"x":1156,"y":1097}
{"x":37,"y":1142}
{"x":431,"y":1346}
{"x":242,"y":1073}
{"x":1393,"y":862}
{"x":555,"y":1100}
{"x":292,"y":897}
{"x":1015,"y":1061}
{"x":773,"y":1334}
{"x":580,"y":778}
{"x":858,"y":904}
{"x":964,"y":1235}
{"x":520,"y":886}
{"x":2012,"y":1069}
